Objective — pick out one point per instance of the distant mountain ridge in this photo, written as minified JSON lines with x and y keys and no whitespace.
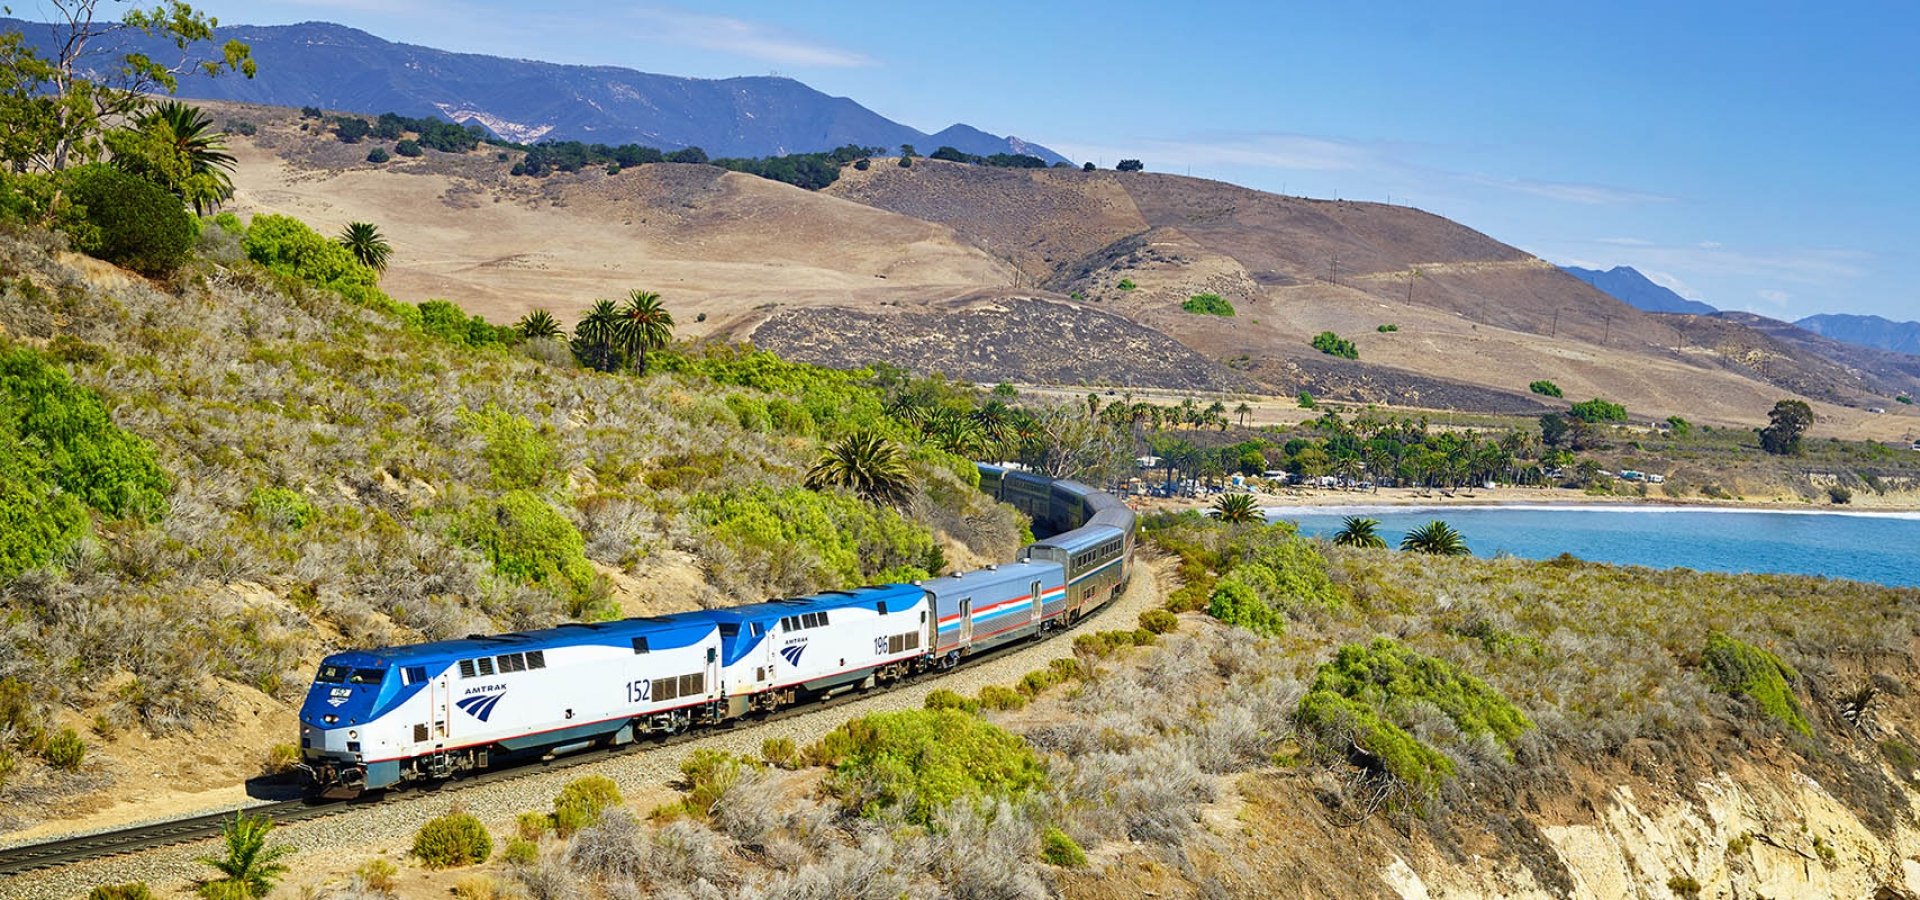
{"x":1627,"y":285}
{"x":1866,"y":331}
{"x":339,"y":68}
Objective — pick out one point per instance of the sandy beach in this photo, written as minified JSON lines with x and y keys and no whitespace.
{"x":1303,"y":497}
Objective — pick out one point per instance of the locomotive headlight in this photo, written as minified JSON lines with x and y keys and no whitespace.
{"x":330,"y":719}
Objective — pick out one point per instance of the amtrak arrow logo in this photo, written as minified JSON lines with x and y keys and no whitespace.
{"x":792,"y":653}
{"x":481,"y":707}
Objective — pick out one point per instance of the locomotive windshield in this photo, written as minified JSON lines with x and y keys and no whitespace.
{"x":349,"y":675}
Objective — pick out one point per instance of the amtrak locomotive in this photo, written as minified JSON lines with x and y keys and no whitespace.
{"x":374,"y":719}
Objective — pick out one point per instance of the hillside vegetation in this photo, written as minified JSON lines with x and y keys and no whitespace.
{"x":243,"y":448}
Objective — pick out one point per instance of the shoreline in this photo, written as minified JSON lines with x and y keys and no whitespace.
{"x":1315,"y":501}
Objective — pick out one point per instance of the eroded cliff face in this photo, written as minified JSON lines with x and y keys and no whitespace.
{"x":1753,"y":833}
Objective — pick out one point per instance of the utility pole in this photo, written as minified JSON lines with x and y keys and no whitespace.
{"x":1333,"y":269}
{"x":1556,"y":324}
{"x":1607,"y":336}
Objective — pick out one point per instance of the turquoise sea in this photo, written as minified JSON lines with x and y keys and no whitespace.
{"x":1878,"y":547}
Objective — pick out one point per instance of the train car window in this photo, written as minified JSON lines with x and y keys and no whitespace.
{"x":484,"y":664}
{"x":466,"y":668}
{"x":331,"y":675}
{"x":640,"y":645}
{"x":536,"y":659}
{"x":366,"y":676}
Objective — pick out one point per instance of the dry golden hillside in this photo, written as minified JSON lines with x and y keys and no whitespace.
{"x":829,"y":275}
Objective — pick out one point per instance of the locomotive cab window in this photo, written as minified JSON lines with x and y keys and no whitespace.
{"x":366,"y":676}
{"x":332,"y":675}
{"x":413,"y":674}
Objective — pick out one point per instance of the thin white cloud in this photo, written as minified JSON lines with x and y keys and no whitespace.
{"x":1572,"y":191}
{"x":741,"y":37}
{"x":1260,"y":151}
{"x":1671,"y":282}
{"x":1775,"y":298}
{"x":1624,"y":242}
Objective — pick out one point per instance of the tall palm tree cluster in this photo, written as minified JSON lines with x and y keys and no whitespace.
{"x":612,"y":334}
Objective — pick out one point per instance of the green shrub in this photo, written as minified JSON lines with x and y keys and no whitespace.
{"x":1334,"y":345}
{"x":1353,"y":701}
{"x":1159,"y":621}
{"x":519,"y":454}
{"x":582,"y":802}
{"x":1237,"y":604}
{"x":280,"y":758}
{"x":521,"y":852}
{"x":942,"y":698}
{"x":1126,"y":284}
{"x":286,"y":245}
{"x":38,"y":524}
{"x":709,"y":774}
{"x":407,"y":147}
{"x":1306,"y":400}
{"x":1001,"y":697}
{"x":1733,"y":666}
{"x":1686,"y":887}
{"x":137,"y":890}
{"x":1839,"y":495}
{"x":1060,"y":849}
{"x":1208,"y":305}
{"x":1387,"y":329}
{"x":280,"y":508}
{"x":780,"y":753}
{"x":1545,"y":388}
{"x":379,"y":875}
{"x":7,"y":764}
{"x":532,"y":826}
{"x":65,"y":750}
{"x":1598,"y":410}
{"x":450,"y":323}
{"x":378,"y":155}
{"x":127,"y":220}
{"x":68,"y":426}
{"x":528,"y":540}
{"x":455,"y":839}
{"x":922,"y":760}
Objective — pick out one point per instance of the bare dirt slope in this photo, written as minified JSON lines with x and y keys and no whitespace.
{"x":712,"y":241}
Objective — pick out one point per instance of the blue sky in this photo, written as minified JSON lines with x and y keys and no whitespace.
{"x":1757,"y":155}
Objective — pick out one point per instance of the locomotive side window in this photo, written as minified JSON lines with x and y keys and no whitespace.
{"x":756,"y":629}
{"x":640,"y":645}
{"x":536,"y":659}
{"x":413,"y":674}
{"x":466,"y":668}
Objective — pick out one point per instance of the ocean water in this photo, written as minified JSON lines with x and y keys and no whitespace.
{"x":1883,"y":548}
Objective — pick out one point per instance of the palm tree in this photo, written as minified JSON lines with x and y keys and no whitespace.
{"x":366,"y":244}
{"x":251,"y":866}
{"x":867,"y":464}
{"x":1435,"y":537}
{"x":1358,"y":531}
{"x":1236,"y":508}
{"x":645,"y":325}
{"x":1243,"y":411}
{"x":190,"y":134}
{"x":539,"y":325}
{"x":593,"y":336}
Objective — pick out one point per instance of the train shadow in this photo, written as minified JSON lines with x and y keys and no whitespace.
{"x":277,"y":788}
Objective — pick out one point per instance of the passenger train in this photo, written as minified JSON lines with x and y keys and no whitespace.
{"x":375,"y":719}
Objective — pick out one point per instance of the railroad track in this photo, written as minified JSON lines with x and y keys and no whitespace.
{"x":68,"y":851}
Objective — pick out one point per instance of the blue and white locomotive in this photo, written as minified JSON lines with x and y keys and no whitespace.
{"x":374,"y":719}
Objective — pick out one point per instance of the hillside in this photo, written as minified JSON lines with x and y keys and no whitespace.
{"x":1477,"y":323}
{"x":344,"y":69}
{"x":1866,"y":331}
{"x":1626,"y":284}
